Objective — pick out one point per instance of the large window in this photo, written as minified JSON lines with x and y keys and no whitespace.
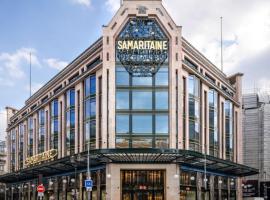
{"x":41,"y":135}
{"x":194,"y":113}
{"x":142,"y":84}
{"x":142,"y":103}
{"x":213,"y":122}
{"x":70,"y":121}
{"x":21,"y":146}
{"x":54,"y":125}
{"x":30,"y":137}
{"x":229,"y":130}
{"x":90,"y":112}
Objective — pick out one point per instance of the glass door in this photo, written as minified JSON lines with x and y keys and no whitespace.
{"x":143,"y":185}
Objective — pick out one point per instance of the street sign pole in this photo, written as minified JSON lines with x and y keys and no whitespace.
{"x":88,"y":165}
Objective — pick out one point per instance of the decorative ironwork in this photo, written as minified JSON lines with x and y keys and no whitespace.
{"x":142,"y":47}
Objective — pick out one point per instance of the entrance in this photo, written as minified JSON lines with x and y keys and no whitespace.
{"x":143,"y":184}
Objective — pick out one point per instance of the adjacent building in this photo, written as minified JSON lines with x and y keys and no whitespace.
{"x":158,"y":119}
{"x":256,"y":143}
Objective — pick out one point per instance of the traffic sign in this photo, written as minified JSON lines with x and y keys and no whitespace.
{"x":40,"y":188}
{"x":88,"y":184}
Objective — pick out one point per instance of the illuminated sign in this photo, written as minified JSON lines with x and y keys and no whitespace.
{"x":142,"y":47}
{"x":39,"y":158}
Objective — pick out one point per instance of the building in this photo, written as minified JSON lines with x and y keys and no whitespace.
{"x":256,"y":144}
{"x":160,"y":120}
{"x":3,"y":157}
{"x":3,"y":166}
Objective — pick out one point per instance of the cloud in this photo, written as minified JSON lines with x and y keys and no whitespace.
{"x":34,"y":87}
{"x":112,"y":5}
{"x":55,"y":63}
{"x":13,"y":65}
{"x":3,"y":123}
{"x":246,"y":33}
{"x":82,"y":2}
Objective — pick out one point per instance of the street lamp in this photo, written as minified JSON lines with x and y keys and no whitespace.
{"x":73,"y":160}
{"x":88,"y":165}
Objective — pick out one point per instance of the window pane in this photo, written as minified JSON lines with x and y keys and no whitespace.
{"x":87,"y":86}
{"x":122,"y":100}
{"x":122,"y":143}
{"x":162,"y":77}
{"x":72,"y":118}
{"x":142,"y":100}
{"x":142,"y":124}
{"x":122,"y":76}
{"x":142,"y":80}
{"x":72,"y":97}
{"x":141,"y":142}
{"x":122,"y":124}
{"x":162,"y":100}
{"x":93,"y":85}
{"x":92,"y":107}
{"x":162,"y":143}
{"x":162,"y":124}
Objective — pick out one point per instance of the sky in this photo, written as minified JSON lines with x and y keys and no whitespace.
{"x":57,"y":31}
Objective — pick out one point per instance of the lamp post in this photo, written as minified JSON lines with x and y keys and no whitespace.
{"x":88,"y":165}
{"x":74,"y":163}
{"x":205,"y":180}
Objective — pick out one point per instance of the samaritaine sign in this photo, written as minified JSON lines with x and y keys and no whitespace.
{"x":39,"y":158}
{"x":142,"y":47}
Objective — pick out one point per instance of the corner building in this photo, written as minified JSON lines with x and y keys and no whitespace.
{"x":161,"y":121}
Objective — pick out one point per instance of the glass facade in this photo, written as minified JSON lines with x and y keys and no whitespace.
{"x":54,"y":125}
{"x":142,"y":104}
{"x":70,"y":121}
{"x":90,"y":112}
{"x":30,"y":138}
{"x":229,"y":130}
{"x":213,"y":123}
{"x":142,"y":98}
{"x":194,"y":113}
{"x":21,"y":145}
{"x":41,"y":131}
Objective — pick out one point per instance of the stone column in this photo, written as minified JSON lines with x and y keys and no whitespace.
{"x":78,"y":116}
{"x":81,"y":187}
{"x":199,"y":185}
{"x":219,"y":188}
{"x":212,"y":187}
{"x":55,"y":188}
{"x":98,"y":184}
{"x":64,"y":188}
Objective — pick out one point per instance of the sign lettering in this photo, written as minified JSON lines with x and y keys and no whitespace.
{"x":36,"y":159}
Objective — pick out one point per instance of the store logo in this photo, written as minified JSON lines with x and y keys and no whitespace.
{"x":142,"y":47}
{"x":39,"y":158}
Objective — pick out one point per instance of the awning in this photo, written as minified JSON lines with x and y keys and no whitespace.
{"x":183,"y":157}
{"x":101,"y":157}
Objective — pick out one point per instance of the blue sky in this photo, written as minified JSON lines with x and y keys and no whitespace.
{"x":53,"y":30}
{"x":56,"y":31}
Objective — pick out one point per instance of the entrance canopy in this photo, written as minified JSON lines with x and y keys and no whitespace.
{"x":99,"y":158}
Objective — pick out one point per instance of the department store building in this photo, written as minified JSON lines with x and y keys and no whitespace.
{"x":161,"y":121}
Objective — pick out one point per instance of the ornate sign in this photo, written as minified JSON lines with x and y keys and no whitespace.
{"x":45,"y":156}
{"x":142,"y":47}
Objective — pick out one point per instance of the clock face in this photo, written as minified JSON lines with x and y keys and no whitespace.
{"x":142,"y":47}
